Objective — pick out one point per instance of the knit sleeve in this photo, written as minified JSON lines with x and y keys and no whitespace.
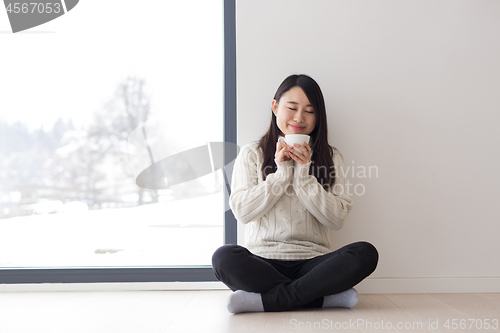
{"x":249,"y":200}
{"x":330,"y":207}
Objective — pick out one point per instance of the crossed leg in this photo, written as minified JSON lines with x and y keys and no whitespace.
{"x":328,"y":275}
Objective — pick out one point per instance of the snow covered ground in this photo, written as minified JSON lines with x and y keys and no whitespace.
{"x":182,"y":232}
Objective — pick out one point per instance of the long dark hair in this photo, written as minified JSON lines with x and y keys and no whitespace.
{"x":321,"y":161}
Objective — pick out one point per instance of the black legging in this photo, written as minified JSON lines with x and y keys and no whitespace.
{"x":286,"y":285}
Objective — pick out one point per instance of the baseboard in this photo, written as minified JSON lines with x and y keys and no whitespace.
{"x":211,"y":285}
{"x":368,"y":286}
{"x":429,"y":285}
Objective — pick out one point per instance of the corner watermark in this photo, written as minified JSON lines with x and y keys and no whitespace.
{"x":25,"y":15}
{"x":364,"y":324}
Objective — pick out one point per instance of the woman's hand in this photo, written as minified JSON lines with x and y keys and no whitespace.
{"x":282,"y":153}
{"x":303,"y":158}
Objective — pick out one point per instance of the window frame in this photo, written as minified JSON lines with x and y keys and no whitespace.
{"x":199,"y":273}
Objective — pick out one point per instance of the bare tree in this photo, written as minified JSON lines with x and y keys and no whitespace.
{"x":125,"y":111}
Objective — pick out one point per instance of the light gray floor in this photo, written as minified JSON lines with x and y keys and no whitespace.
{"x":205,"y":311}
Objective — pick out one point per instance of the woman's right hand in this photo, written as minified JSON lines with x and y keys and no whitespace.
{"x":282,"y":153}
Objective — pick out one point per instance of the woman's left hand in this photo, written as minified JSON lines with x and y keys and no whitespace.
{"x":303,"y":158}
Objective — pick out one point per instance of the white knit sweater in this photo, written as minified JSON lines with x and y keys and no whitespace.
{"x":287,"y":216}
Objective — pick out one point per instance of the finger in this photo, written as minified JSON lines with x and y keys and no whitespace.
{"x":306,"y":151}
{"x":301,"y":148}
{"x":296,"y":157}
{"x":284,"y":153}
{"x":293,"y":151}
{"x":299,"y":158}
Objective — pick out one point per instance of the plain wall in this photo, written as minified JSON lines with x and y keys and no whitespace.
{"x":412,"y":88}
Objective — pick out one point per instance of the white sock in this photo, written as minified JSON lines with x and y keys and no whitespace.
{"x":346,"y":299}
{"x":244,"y":301}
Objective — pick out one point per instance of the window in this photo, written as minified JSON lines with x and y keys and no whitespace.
{"x":100,"y":106}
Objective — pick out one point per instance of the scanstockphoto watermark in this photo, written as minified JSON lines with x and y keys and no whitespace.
{"x":348,"y":187}
{"x":360,"y":324}
{"x":470,"y":324}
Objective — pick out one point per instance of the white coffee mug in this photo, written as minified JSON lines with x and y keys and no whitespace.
{"x":290,"y":139}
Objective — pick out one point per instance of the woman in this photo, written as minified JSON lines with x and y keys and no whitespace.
{"x":289,"y":202}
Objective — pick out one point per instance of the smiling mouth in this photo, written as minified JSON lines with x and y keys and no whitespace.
{"x":297,"y":128}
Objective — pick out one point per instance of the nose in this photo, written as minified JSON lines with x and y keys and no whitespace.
{"x":299,"y":117}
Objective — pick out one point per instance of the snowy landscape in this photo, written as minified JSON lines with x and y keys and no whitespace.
{"x":68,"y":166}
{"x":174,"y":233}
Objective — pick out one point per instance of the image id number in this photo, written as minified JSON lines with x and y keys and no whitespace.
{"x":462,"y":324}
{"x":34,"y":8}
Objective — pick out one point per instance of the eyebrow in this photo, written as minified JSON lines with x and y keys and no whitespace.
{"x":292,"y":102}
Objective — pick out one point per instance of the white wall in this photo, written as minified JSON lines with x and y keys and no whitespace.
{"x":413,"y":88}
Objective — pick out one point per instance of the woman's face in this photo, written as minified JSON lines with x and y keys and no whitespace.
{"x":294,"y":113}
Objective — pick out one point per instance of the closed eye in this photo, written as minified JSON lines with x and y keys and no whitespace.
{"x":306,"y":111}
